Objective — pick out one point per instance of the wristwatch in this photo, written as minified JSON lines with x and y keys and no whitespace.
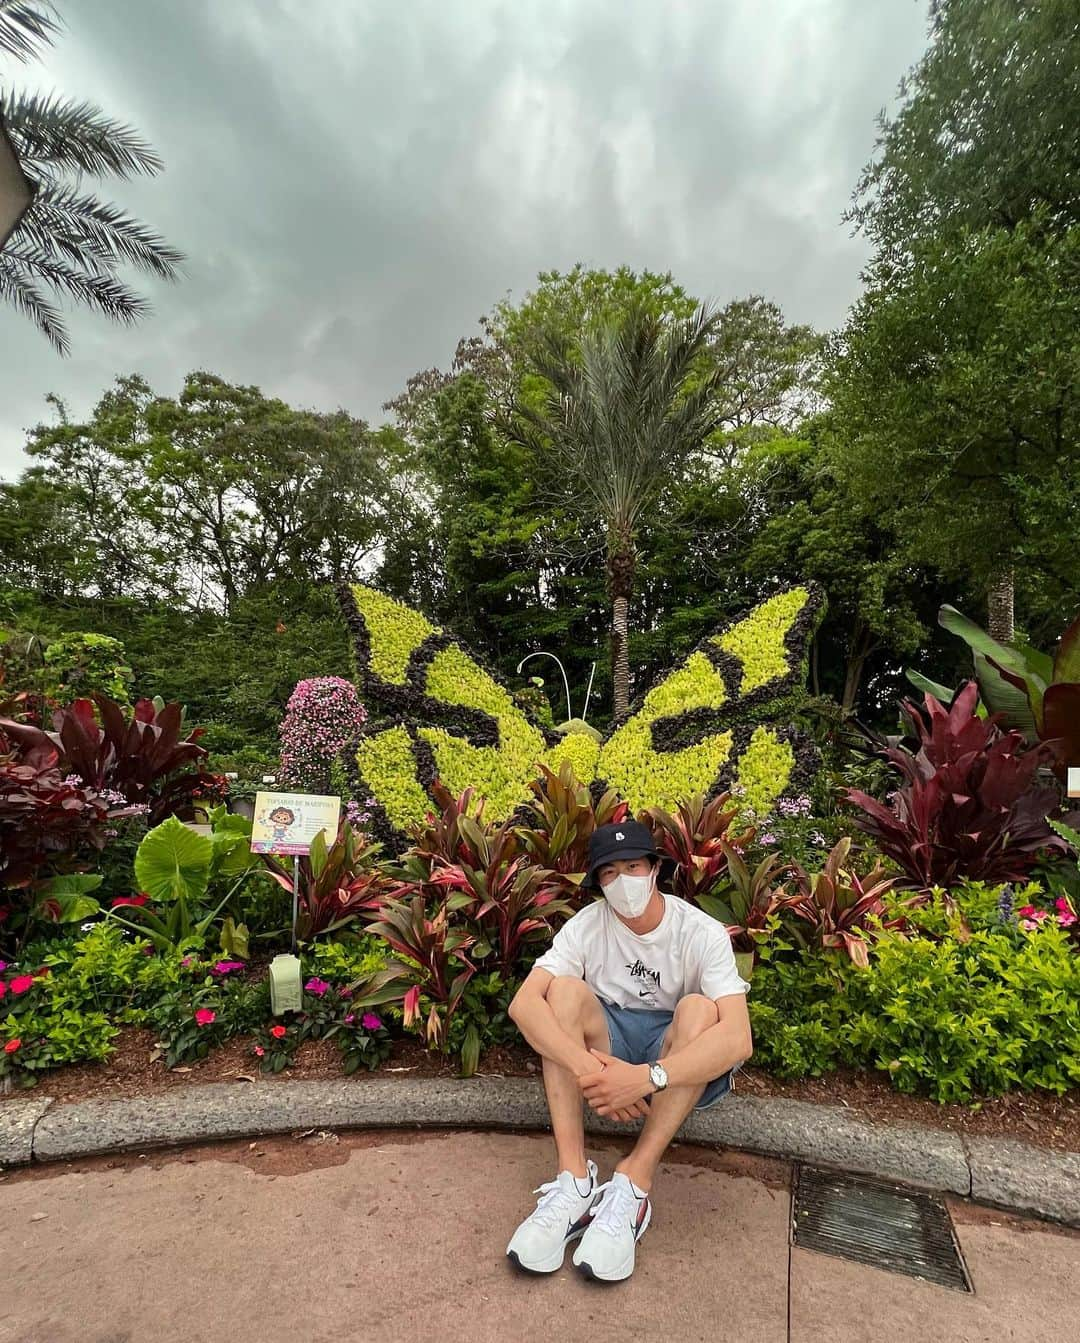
{"x":658,"y":1075}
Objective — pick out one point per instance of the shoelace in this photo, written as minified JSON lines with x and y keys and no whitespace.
{"x":554,"y":1206}
{"x":617,"y":1206}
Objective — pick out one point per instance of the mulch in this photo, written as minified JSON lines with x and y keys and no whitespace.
{"x":1038,"y":1118}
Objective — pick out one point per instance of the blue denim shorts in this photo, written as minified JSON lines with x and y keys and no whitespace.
{"x":637,"y":1036}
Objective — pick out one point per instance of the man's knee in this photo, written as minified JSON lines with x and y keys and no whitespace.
{"x":568,"y":998}
{"x":693,"y":1015}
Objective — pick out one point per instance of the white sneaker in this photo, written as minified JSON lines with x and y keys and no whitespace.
{"x":618,"y":1222}
{"x":562,"y":1214}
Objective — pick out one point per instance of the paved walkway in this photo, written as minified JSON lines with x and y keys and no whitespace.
{"x":393,"y":1235}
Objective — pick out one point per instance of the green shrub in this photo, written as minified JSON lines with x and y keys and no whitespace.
{"x":80,"y":663}
{"x":957,"y":1015}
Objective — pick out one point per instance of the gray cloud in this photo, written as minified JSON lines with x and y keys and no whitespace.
{"x":356,"y":181}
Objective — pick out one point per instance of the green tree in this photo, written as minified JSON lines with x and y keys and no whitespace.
{"x":955,"y":392}
{"x":622,"y":414}
{"x":71,"y":243}
{"x":879,"y":604}
{"x":983,"y":148}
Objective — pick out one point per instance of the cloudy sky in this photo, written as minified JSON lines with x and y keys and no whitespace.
{"x":355,"y":182}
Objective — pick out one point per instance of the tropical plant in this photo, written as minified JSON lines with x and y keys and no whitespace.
{"x":620,"y":416}
{"x":336,"y":884}
{"x":70,"y":241}
{"x":747,"y":903}
{"x":174,"y":868}
{"x":1035,"y":693}
{"x":838,"y":910}
{"x":698,"y":840}
{"x":970,"y":804}
{"x":557,"y":823}
{"x":142,"y":758}
{"x":433,"y":951}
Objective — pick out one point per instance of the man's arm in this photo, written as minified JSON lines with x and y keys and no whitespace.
{"x":716,"y":1050}
{"x":532,"y":1015}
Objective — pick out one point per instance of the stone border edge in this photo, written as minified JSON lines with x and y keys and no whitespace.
{"x":1004,"y":1173}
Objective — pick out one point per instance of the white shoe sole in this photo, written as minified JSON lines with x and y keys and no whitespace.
{"x":550,"y":1265}
{"x":624,"y":1270}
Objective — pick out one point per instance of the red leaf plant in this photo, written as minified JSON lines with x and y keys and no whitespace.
{"x":970,"y":806}
{"x":695,"y":839}
{"x":835,"y":909}
{"x":432,"y":951}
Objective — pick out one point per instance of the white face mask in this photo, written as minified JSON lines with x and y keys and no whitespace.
{"x":629,"y":896}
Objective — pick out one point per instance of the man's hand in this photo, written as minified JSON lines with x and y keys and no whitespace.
{"x":617,"y":1089}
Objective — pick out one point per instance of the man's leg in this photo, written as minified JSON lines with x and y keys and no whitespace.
{"x":668,"y":1108}
{"x":577,"y":1010}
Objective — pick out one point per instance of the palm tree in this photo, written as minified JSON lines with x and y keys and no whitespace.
{"x":619,"y":417}
{"x":71,"y":242}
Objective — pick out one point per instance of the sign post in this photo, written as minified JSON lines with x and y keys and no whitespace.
{"x":286,"y":823}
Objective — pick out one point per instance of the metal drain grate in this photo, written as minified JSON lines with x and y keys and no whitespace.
{"x":877,"y":1224}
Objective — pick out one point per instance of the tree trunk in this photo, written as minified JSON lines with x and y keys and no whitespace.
{"x":862,"y":645}
{"x":1000,"y":606}
{"x":621,"y":579}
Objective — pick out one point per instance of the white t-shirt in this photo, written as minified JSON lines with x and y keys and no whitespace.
{"x":687,"y":952}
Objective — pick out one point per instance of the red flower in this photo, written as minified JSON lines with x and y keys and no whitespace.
{"x":139,"y":899}
{"x":11,"y":1046}
{"x":277,"y":1032}
{"x":3,"y":988}
{"x":22,"y":984}
{"x":204,"y":1016}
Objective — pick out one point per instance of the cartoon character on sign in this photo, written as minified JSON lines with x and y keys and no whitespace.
{"x":279,"y":820}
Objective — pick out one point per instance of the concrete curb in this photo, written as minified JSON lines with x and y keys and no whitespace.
{"x":1008,"y":1174}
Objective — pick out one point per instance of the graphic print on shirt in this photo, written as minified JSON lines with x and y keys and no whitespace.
{"x":639,"y":970}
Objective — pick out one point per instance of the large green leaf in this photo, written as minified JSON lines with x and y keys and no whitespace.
{"x":173,"y":862}
{"x":977,"y":639}
{"x":925,"y":686}
{"x":1006,"y":698}
{"x":68,"y":898}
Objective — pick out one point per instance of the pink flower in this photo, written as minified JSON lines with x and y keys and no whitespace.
{"x":259,"y":1050}
{"x":204,"y":1016}
{"x":1026,"y":912}
{"x":140,"y":899}
{"x":345,"y":993}
{"x":1028,"y":925}
{"x":370,"y":1021}
{"x":3,"y":988}
{"x":350,"y":1017}
{"x":1066,"y":920}
{"x":21,"y":984}
{"x":1061,"y":905}
{"x":317,"y":986}
{"x":227,"y":967}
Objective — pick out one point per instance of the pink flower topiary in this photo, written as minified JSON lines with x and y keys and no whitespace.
{"x":322,"y":715}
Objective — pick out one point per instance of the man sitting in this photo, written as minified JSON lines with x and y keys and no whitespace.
{"x":637,"y":1006}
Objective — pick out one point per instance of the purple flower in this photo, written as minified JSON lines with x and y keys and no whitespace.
{"x":768,"y":838}
{"x":227,"y":967}
{"x":350,"y":1017}
{"x":370,"y":1021}
{"x":317,"y":986}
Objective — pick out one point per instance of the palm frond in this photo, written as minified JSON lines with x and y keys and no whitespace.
{"x":25,"y":26}
{"x":17,"y":289}
{"x":96,"y":289}
{"x":53,"y":133}
{"x":80,"y":225}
